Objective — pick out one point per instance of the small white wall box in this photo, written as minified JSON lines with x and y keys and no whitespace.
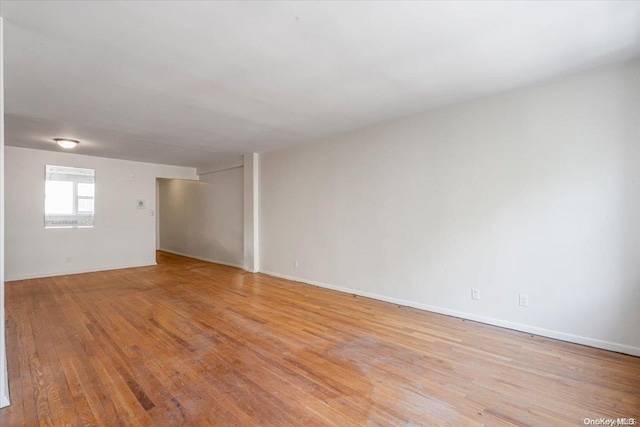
{"x":140,"y":204}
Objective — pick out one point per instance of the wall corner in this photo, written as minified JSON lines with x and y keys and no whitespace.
{"x":251,"y":214}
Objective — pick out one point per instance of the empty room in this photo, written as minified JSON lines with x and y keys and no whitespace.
{"x":319,"y":213}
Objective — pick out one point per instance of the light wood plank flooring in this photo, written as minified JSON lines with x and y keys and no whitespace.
{"x":193,"y":343}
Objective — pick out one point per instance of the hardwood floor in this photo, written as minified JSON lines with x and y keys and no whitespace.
{"x":192,"y":343}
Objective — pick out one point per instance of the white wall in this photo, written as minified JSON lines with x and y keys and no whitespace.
{"x":251,"y":213}
{"x":204,"y":219}
{"x":535,"y":191}
{"x":123,"y":236}
{"x":4,"y":377}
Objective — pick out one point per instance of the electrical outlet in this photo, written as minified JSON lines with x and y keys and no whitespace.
{"x":524,"y":300}
{"x":475,"y":293}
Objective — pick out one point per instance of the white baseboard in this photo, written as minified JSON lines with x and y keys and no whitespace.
{"x":215,"y":261}
{"x":4,"y":401}
{"x":78,"y":271}
{"x":4,"y":386}
{"x":563,"y":336}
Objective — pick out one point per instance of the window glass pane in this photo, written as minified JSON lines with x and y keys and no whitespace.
{"x":58,"y":197}
{"x":85,"y":190}
{"x":85,"y":205}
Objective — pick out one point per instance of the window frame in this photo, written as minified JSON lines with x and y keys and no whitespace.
{"x":71,"y":220}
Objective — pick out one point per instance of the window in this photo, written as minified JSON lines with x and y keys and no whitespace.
{"x":69,"y":195}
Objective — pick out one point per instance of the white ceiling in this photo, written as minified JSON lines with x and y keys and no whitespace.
{"x":188,"y":83}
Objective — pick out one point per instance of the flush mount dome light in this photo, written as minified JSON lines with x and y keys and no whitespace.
{"x":66,"y":143}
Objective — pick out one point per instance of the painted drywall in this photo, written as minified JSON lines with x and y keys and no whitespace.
{"x":534,"y":191}
{"x":229,"y":162}
{"x":4,"y":377}
{"x":198,"y":79}
{"x":204,"y":219}
{"x":251,"y":213}
{"x":123,"y":235}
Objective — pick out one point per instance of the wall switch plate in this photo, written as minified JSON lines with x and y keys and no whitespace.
{"x":296,"y":264}
{"x":475,"y":293}
{"x":524,"y":300}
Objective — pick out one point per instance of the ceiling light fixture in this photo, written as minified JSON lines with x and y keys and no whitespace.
{"x":66,"y":143}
